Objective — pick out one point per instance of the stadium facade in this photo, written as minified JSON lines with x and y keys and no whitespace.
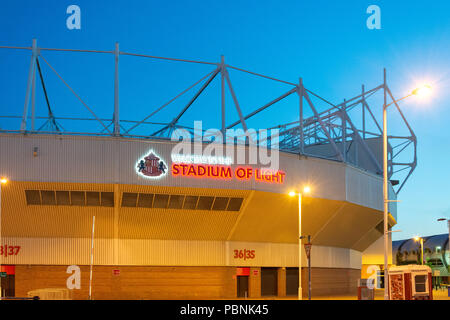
{"x":168,"y":226}
{"x":177,"y":236}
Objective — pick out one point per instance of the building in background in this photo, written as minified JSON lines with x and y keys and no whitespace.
{"x":435,"y":254}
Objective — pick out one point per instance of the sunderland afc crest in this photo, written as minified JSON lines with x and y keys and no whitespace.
{"x":151,"y":166}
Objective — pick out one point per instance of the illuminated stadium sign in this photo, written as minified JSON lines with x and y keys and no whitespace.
{"x":226,"y":172}
{"x":152,"y":166}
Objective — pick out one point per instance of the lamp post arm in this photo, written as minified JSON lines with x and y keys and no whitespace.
{"x":395,"y":101}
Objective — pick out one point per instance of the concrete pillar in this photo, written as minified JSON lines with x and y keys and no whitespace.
{"x":281,"y":279}
{"x":254,"y":283}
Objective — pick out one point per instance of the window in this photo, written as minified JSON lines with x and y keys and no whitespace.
{"x":420,"y":283}
{"x":176,"y":201}
{"x":205,"y":203}
{"x":235,"y":204}
{"x":107,"y":199}
{"x":33,"y":197}
{"x":48,"y":197}
{"x":145,"y":200}
{"x":190,"y":202}
{"x":132,"y":200}
{"x":161,"y":201}
{"x":78,"y":198}
{"x":92,"y":198}
{"x":129,"y":199}
{"x":62,"y":198}
{"x":220,"y":203}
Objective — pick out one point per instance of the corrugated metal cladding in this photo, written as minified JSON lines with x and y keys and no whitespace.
{"x":59,"y":251}
{"x":53,"y":251}
{"x":109,"y":160}
{"x":22,"y":220}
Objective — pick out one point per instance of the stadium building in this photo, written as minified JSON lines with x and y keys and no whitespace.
{"x":436,"y":254}
{"x":180,"y":226}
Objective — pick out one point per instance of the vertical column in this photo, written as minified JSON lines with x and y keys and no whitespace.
{"x":1,"y":243}
{"x":344,"y":130}
{"x":300,"y":94}
{"x":363,"y":113}
{"x":300,"y":253}
{"x":34,"y":53}
{"x":281,"y":280}
{"x":116,"y":92}
{"x":385,"y":193}
{"x":222,"y":74}
{"x":254,"y":283}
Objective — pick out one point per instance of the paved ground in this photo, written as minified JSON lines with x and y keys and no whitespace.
{"x":437,"y":295}
{"x":379,"y":295}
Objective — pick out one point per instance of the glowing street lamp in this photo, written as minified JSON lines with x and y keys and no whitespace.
{"x":421,"y":91}
{"x":293,"y":193}
{"x":3,"y":181}
{"x":419,"y":239}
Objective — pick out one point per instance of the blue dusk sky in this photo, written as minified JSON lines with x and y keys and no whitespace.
{"x":326,"y":43}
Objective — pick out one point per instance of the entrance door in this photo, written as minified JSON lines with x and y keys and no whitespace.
{"x":242,"y":286}
{"x":292,"y":281}
{"x":269,"y":281}
{"x":8,"y":286}
{"x":8,"y":282}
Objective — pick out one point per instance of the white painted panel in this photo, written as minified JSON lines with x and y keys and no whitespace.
{"x":58,"y":251}
{"x":137,"y":252}
{"x":171,"y":252}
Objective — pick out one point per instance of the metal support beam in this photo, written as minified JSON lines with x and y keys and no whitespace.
{"x":236,"y":102}
{"x":199,"y":92}
{"x":344,"y":131}
{"x":302,"y":134}
{"x":264,"y":107}
{"x":34,"y":53}
{"x":324,"y":129}
{"x":363,"y":113}
{"x":363,"y":144}
{"x":116,"y":131}
{"x":33,"y":99}
{"x":222,"y":84}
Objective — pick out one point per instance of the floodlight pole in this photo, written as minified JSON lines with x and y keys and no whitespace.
{"x":385,"y":194}
{"x":1,"y":255}
{"x":309,"y":269}
{"x":421,"y":251}
{"x":300,"y":296}
{"x":92,"y":258}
